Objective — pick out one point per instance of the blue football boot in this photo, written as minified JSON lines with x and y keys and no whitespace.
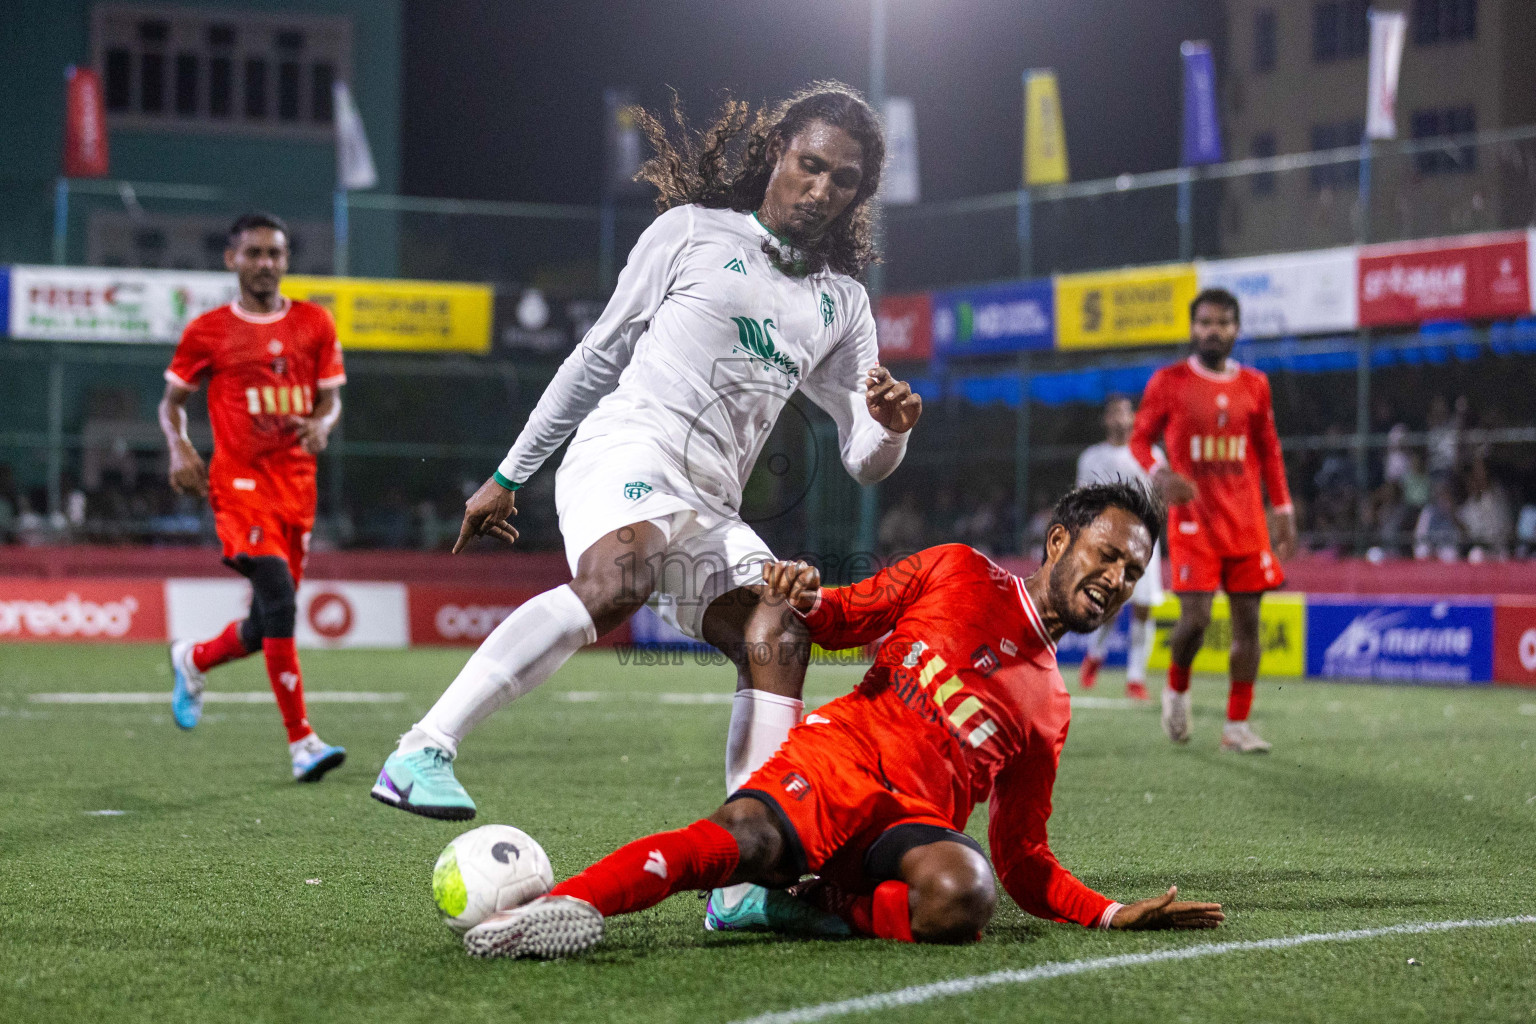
{"x":422,"y":782}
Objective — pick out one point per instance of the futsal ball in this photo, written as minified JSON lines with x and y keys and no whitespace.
{"x":491,"y":868}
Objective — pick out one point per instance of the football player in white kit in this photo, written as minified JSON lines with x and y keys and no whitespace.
{"x":1106,"y":462}
{"x":742,"y":292}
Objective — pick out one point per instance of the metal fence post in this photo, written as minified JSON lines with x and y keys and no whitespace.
{"x":1021,"y":511}
{"x":340,"y":230}
{"x":1186,"y":215}
{"x":55,"y":434}
{"x":1024,"y":229}
{"x":61,"y":221}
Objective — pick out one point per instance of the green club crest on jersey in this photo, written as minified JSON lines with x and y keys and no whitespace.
{"x":754,"y":339}
{"x":828,"y":311}
{"x":636,"y":490}
{"x":738,"y":266}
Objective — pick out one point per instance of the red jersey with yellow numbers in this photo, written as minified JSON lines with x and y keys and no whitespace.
{"x":1218,"y":429}
{"x":261,"y":369}
{"x":964,"y":703}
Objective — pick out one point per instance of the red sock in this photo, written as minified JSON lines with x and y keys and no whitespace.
{"x":884,"y":914}
{"x":647,"y":871}
{"x":1178,"y":678}
{"x":1239,"y":700}
{"x":227,"y":646}
{"x":287,"y":683}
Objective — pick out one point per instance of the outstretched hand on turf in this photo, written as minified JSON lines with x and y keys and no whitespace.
{"x":1166,"y":912}
{"x":795,"y":582}
{"x":487,"y":514}
{"x":891,"y":402}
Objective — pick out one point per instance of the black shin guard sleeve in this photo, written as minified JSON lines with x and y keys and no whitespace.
{"x":274,"y":603}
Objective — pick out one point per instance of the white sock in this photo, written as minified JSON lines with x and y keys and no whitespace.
{"x":526,"y":649}
{"x":1098,"y":641}
{"x":308,"y":744}
{"x":760,"y":722}
{"x":1141,"y":650}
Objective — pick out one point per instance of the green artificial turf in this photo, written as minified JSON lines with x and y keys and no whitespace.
{"x":1379,"y":806}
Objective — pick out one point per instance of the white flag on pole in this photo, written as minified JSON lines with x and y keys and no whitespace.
{"x":900,"y":184}
{"x":354,"y":160}
{"x":1388,"y":31}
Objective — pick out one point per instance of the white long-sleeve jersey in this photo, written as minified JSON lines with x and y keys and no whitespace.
{"x":700,"y":348}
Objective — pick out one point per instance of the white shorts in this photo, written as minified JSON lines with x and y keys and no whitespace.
{"x":604,"y":486}
{"x":1149,"y":589}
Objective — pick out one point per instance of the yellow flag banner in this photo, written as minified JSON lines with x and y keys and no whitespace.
{"x":1045,"y":139}
{"x":401,"y":316}
{"x":1282,"y":635}
{"x":1141,"y":306}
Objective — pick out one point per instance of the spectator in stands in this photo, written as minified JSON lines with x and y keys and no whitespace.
{"x":1334,"y":508}
{"x":1397,"y":463}
{"x":1391,"y":518}
{"x":902,"y":529}
{"x":1438,"y":533}
{"x":1525,"y":531}
{"x":7,"y":504}
{"x":1415,"y":484}
{"x":1444,"y":429}
{"x":1486,"y":520}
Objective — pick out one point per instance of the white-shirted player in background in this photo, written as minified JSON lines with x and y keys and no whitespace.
{"x":742,"y":292}
{"x":1106,"y":462}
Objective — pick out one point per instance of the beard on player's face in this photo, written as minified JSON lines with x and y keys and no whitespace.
{"x":1086,"y":597}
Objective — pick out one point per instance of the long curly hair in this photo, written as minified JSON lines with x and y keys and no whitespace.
{"x":726,"y":166}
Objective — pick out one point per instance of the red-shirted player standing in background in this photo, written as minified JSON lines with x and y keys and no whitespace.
{"x":873,"y":790}
{"x":1217,"y":424}
{"x":274,"y":375}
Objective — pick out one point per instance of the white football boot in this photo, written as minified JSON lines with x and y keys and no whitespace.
{"x":1176,"y":714}
{"x":548,"y":928}
{"x":1239,"y":738}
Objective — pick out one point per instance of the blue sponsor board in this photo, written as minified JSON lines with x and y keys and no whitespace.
{"x":1072,"y":647}
{"x":1400,"y":638}
{"x":997,"y":318}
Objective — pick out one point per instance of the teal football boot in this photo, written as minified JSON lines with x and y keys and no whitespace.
{"x":771,"y":910}
{"x":422,"y":782}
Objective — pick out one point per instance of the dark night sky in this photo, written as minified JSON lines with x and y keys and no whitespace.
{"x":504,"y":100}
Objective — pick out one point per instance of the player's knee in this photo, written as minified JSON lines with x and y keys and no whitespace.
{"x":612,"y":592}
{"x":954,"y":903}
{"x":275,"y":599}
{"x":1195,"y":620}
{"x":774,"y":633}
{"x":761,"y":845}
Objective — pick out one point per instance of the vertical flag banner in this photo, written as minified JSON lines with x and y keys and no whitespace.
{"x":354,"y":160}
{"x":1045,"y":137}
{"x":85,"y":125}
{"x":899,"y":185}
{"x":1202,"y":131}
{"x":1388,"y":31}
{"x":624,"y":148}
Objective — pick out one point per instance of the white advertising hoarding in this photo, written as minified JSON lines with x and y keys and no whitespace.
{"x":1291,"y":293}
{"x":331,"y":613}
{"x":97,"y":304}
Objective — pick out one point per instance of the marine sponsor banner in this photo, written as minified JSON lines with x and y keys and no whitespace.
{"x":998,"y":318}
{"x":401,"y":316}
{"x":1473,"y":277}
{"x":1409,"y":639}
{"x":331,"y":613}
{"x":92,"y":304}
{"x":1514,"y":640}
{"x":1283,"y":632}
{"x":1292,"y":293}
{"x":1140,"y":306}
{"x":95,"y":610}
{"x":905,"y":326}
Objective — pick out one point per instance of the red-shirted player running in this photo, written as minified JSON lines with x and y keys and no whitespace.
{"x":274,"y":375}
{"x":872,"y":791}
{"x":1217,"y":424}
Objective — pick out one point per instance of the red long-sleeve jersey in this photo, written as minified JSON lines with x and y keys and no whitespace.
{"x":1219,"y":431}
{"x":964,"y":702}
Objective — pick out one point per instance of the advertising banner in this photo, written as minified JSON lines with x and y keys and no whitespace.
{"x":899,"y":184}
{"x":1045,"y":136}
{"x":1140,"y":306}
{"x":1283,"y":632}
{"x":460,"y":615}
{"x":1473,"y":277}
{"x":1389,"y":29}
{"x":331,"y":613}
{"x":81,"y":610}
{"x":1202,"y":132}
{"x":1073,"y":647}
{"x":998,"y":318}
{"x":95,"y":305}
{"x":905,"y":326}
{"x":1410,"y":639}
{"x":1292,"y":293}
{"x":1514,"y":640}
{"x":85,"y":124}
{"x":402,"y":316}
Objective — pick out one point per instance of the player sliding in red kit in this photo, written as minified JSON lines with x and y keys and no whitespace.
{"x":872,"y":791}
{"x":274,"y":375}
{"x":1217,"y":424}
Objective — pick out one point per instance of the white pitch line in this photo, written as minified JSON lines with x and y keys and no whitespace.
{"x":219,"y":697}
{"x":965,"y":986}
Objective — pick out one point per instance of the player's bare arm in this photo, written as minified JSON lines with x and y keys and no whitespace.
{"x":188,"y":473}
{"x":893,"y":403}
{"x":1282,"y":532}
{"x":794,"y":582}
{"x":314,"y":431}
{"x":488,"y":513}
{"x":1164,"y":911}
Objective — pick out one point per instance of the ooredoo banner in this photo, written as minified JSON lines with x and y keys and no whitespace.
{"x":1514,"y":640}
{"x":1473,"y":277}
{"x":1293,"y":293}
{"x":999,"y":318}
{"x":331,"y":613}
{"x":460,"y":615}
{"x":81,"y":610}
{"x":91,"y":304}
{"x":905,"y":326}
{"x":1419,"y":640}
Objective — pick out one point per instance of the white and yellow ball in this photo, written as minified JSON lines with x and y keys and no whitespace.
{"x":488,"y":869}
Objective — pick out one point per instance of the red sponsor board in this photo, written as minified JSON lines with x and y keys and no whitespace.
{"x":453,"y":615}
{"x":85,"y":125}
{"x":81,"y":610}
{"x":905,"y":326}
{"x":1474,"y":277}
{"x":1514,"y":640}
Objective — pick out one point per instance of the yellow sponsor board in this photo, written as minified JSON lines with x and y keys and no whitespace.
{"x":401,"y":316}
{"x":1045,"y":137}
{"x":1144,"y":306}
{"x":1282,"y":635}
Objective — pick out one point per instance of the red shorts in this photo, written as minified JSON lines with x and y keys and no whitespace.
{"x":835,"y":809}
{"x":248,"y":529}
{"x":1195,"y":568}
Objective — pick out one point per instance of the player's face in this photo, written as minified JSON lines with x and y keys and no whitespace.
{"x":1095,"y":574}
{"x":1119,"y":418}
{"x":813,"y":181}
{"x":1214,"y":332}
{"x":259,"y":259}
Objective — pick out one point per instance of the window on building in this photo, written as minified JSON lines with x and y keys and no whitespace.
{"x":1340,"y":29}
{"x":1444,"y":21}
{"x":183,"y":68}
{"x":1337,"y":135}
{"x":1265,"y":41}
{"x":1263,"y":145}
{"x":1434,"y":124}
